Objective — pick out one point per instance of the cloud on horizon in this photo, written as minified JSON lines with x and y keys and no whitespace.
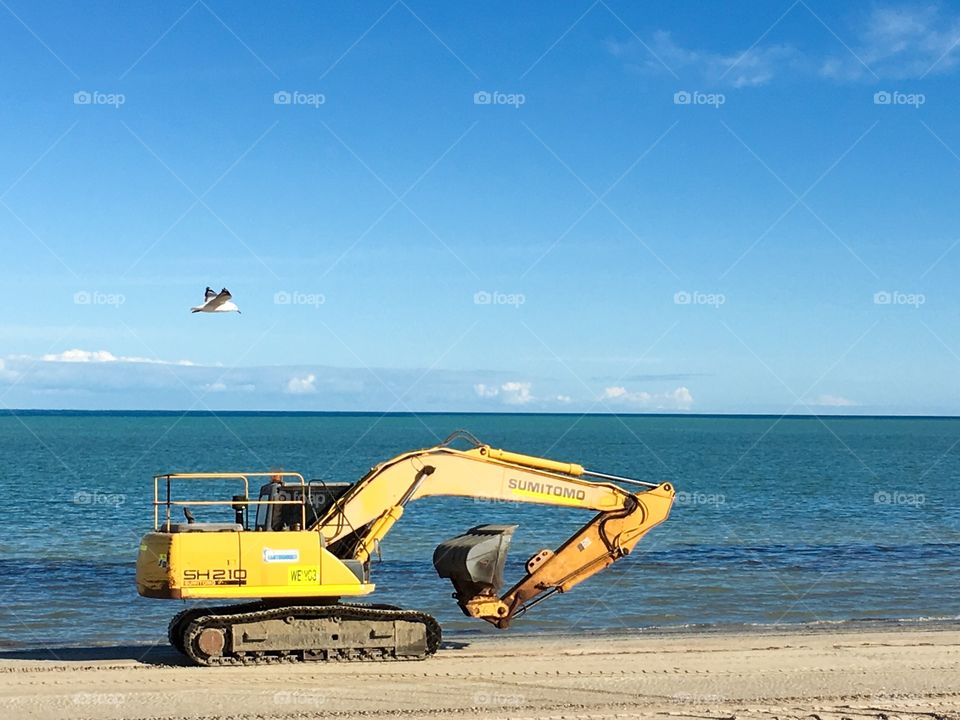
{"x":300,"y":385}
{"x":88,"y":356}
{"x":101,"y":379}
{"x":677,"y":399}
{"x":515,"y":392}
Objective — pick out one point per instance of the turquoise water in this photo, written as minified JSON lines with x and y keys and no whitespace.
{"x":789,"y":521}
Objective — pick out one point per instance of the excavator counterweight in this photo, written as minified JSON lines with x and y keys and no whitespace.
{"x":295,"y":548}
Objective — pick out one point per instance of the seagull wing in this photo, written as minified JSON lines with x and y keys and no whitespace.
{"x":218,"y":299}
{"x":209,"y":294}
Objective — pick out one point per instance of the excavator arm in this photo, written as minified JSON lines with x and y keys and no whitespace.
{"x":358,"y":522}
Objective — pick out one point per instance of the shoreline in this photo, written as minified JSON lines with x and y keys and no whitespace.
{"x":864,"y":625}
{"x":163,"y":655}
{"x":855,"y":625}
{"x":908,"y":672}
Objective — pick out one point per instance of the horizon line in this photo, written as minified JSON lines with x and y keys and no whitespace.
{"x":411,"y":413}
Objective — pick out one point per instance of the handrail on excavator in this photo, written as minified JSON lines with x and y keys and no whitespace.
{"x":245,"y":477}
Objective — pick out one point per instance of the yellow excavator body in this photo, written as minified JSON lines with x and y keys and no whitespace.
{"x":295,"y":548}
{"x":239,"y":565}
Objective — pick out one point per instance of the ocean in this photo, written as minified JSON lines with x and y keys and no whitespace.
{"x":778,"y":520}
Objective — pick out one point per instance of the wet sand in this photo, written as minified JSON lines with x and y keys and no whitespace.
{"x":821,"y":674}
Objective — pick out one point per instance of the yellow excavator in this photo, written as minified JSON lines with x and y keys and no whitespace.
{"x":309,"y":544}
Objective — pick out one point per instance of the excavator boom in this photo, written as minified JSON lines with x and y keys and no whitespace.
{"x":485,"y":472}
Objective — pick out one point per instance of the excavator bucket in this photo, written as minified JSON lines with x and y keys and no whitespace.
{"x":474,"y":561}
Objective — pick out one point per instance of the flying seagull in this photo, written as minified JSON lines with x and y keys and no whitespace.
{"x":216,"y":302}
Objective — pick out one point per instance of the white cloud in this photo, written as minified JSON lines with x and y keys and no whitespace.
{"x":219,"y":386}
{"x":4,"y":373}
{"x":516,"y":393}
{"x":98,"y":356}
{"x":682,"y":397}
{"x":77,"y":355}
{"x":486,"y":391}
{"x":891,"y":42}
{"x":899,"y":42}
{"x":750,"y":67}
{"x":301,"y":385}
{"x":611,"y":393}
{"x":512,"y":392}
{"x":834,"y":401}
{"x":677,"y":399}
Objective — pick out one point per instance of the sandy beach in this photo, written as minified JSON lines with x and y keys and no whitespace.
{"x":816,"y":673}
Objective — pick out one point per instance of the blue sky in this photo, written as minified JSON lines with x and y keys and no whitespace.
{"x":604,"y":206}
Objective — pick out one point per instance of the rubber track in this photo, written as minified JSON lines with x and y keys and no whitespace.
{"x":225,"y":617}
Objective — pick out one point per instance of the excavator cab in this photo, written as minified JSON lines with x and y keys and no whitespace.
{"x":280,"y":504}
